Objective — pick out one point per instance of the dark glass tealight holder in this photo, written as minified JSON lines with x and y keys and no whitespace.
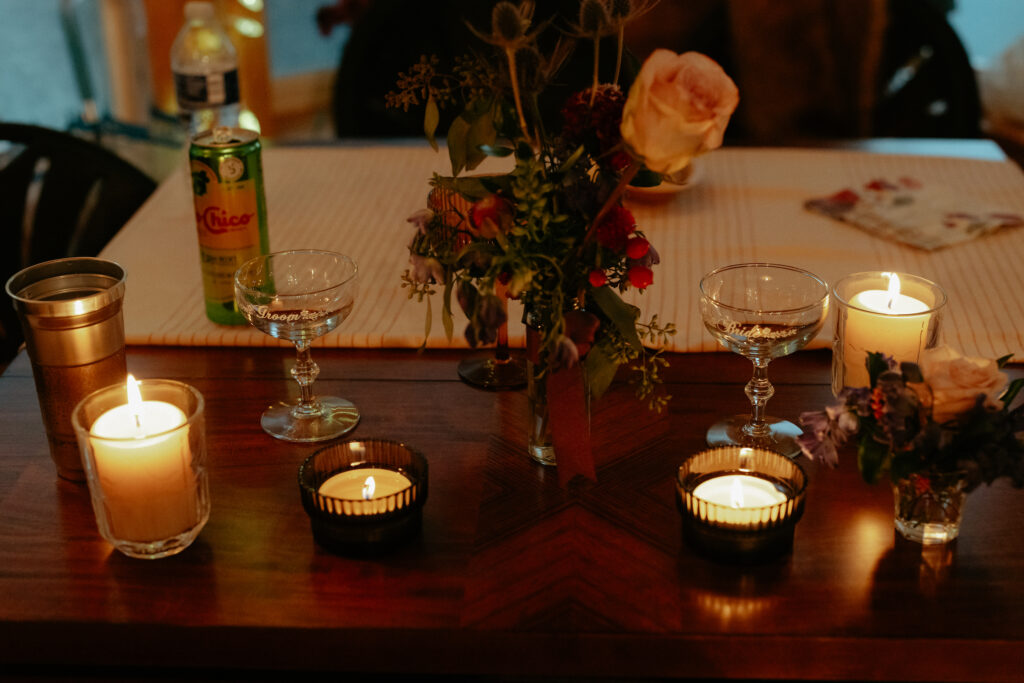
{"x":364,"y":497}
{"x":723,"y":524}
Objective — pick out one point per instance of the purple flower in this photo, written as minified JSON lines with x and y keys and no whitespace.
{"x":421,"y":219}
{"x":425,"y":269}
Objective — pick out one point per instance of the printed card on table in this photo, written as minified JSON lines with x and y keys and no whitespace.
{"x":908,"y":211}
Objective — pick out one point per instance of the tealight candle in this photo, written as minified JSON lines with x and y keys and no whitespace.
{"x":740,"y":503}
{"x":373,"y":484}
{"x":364,"y":496}
{"x":142,"y":460}
{"x":739,"y":497}
{"x":891,"y":321}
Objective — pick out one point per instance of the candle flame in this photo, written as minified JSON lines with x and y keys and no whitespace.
{"x":134,"y":399}
{"x":894,"y":288}
{"x":736,"y":494}
{"x":369,"y":486}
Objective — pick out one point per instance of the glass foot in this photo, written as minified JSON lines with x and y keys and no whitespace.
{"x":729,"y":432}
{"x":487,"y":372}
{"x":336,"y":418}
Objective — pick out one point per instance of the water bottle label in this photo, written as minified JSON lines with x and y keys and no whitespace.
{"x":201,"y":91}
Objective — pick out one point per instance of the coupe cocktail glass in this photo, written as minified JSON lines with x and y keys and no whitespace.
{"x":299,"y":296}
{"x":761,"y":311}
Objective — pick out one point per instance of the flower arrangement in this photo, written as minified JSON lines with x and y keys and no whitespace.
{"x":553,"y":231}
{"x":947,"y":414}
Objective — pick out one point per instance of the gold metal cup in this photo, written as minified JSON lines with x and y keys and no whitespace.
{"x":70,"y":313}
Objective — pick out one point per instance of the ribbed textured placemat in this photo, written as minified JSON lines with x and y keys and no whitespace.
{"x":744,"y":205}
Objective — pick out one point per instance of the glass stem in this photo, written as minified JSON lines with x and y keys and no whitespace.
{"x":501,"y":354}
{"x":305,"y":373}
{"x":759,"y":390}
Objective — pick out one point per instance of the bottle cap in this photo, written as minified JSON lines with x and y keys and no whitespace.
{"x":198,"y":10}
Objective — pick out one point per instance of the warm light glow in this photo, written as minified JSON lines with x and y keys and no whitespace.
{"x":368,"y":488}
{"x":736,"y":494}
{"x":248,"y":120}
{"x":252,"y":5}
{"x":250,"y":28}
{"x":894,"y":288}
{"x":134,"y":399}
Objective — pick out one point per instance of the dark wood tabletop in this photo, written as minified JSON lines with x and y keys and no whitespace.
{"x":512,"y":576}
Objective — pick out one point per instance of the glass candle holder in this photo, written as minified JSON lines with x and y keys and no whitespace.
{"x":364,"y":497}
{"x":740,"y":504}
{"x":896,"y":314}
{"x":145,"y":462}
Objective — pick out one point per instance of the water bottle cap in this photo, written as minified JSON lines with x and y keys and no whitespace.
{"x":198,"y":10}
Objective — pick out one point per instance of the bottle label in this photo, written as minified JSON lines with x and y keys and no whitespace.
{"x":227,"y":222}
{"x":202,"y":91}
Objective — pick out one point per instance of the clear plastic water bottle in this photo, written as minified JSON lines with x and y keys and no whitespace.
{"x":205,"y":67}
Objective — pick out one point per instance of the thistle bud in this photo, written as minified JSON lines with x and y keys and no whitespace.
{"x":593,"y":17}
{"x":620,"y":8}
{"x":506,"y":22}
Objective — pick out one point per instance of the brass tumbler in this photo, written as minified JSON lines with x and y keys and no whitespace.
{"x":70,"y":312}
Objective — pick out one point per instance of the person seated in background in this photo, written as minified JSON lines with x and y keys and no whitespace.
{"x":806,"y":69}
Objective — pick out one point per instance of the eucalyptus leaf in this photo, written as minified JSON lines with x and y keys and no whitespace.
{"x":1012,"y":391}
{"x":571,"y":161}
{"x":871,"y":458}
{"x":431,"y":117}
{"x":876,"y":365}
{"x":457,"y":135}
{"x":481,"y":134}
{"x":622,"y":315}
{"x":446,"y":311}
{"x":601,"y":371}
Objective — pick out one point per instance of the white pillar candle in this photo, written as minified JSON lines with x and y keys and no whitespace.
{"x":741,"y":495}
{"x":885,"y":321}
{"x":143,"y":464}
{"x":370,"y":484}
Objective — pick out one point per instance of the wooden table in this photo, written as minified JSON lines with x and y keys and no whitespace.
{"x":512,"y":575}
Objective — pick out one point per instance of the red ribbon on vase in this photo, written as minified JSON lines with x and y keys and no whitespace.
{"x":567,"y":400}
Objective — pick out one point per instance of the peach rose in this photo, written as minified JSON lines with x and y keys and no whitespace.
{"x":956,"y":381}
{"x":678,"y":108}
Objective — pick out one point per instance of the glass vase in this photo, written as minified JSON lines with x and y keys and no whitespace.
{"x":929,"y":507}
{"x":540,"y":444}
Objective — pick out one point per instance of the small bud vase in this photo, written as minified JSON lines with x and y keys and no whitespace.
{"x":929,"y":507}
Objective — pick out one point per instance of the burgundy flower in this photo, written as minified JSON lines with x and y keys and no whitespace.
{"x":597,"y":127}
{"x":614,"y":229}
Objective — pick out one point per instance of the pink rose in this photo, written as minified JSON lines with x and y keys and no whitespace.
{"x":956,"y":382}
{"x":678,"y":108}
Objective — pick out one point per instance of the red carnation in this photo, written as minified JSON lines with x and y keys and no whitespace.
{"x":637,"y":248}
{"x":614,"y":229}
{"x":640,"y":277}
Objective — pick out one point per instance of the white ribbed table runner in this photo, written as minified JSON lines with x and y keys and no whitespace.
{"x":745,"y":205}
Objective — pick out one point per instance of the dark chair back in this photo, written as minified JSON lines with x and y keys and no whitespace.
{"x":59,"y":196}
